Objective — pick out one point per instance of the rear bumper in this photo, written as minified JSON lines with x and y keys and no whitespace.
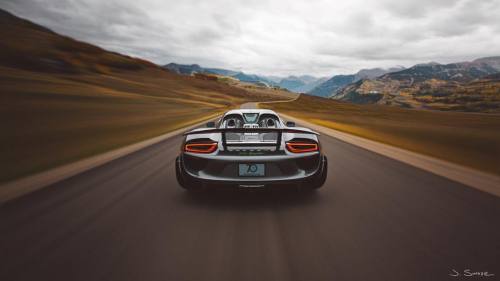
{"x":282,"y":171}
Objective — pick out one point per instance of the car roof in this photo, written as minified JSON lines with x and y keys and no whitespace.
{"x":260,"y":111}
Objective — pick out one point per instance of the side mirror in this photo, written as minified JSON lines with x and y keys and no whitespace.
{"x":210,"y":124}
{"x":290,"y":124}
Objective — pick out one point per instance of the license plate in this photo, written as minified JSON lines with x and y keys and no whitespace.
{"x":251,"y":170}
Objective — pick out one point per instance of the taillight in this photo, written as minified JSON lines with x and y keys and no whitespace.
{"x":301,"y":147}
{"x":200,"y":147}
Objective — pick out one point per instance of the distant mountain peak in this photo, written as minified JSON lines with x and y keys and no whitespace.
{"x":331,"y":86}
{"x":432,"y":63}
{"x":464,"y":86}
{"x":300,"y":84}
{"x":491,"y":61}
{"x":294,"y":83}
{"x":494,"y":58}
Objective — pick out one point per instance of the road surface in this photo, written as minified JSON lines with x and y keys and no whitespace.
{"x":375,"y":219}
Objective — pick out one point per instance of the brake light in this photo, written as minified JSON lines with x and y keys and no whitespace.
{"x":200,"y":147}
{"x":301,"y":147}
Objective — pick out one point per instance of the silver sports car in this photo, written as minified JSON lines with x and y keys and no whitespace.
{"x":251,"y":148}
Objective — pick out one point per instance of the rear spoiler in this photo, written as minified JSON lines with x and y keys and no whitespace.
{"x":251,"y":130}
{"x":277,"y":144}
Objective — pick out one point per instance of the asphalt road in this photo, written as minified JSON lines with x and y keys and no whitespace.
{"x":375,"y":219}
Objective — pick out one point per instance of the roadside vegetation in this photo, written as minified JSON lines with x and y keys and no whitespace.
{"x":469,"y":139}
{"x":63,"y":100}
{"x":51,"y":119}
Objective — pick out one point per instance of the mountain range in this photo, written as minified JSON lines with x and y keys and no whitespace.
{"x":301,"y":84}
{"x":467,"y":86}
{"x":297,"y":84}
{"x":337,"y":82}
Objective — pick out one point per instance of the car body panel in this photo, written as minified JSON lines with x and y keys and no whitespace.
{"x":263,"y":142}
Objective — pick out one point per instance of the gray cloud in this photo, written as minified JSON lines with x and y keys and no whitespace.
{"x":417,"y":9}
{"x":280,"y":37}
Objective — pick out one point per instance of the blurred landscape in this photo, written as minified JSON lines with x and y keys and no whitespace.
{"x":63,"y":100}
{"x":95,"y":98}
{"x":469,"y":139}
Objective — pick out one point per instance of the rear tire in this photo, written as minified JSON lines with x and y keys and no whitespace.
{"x":319,"y":180}
{"x":184,"y":181}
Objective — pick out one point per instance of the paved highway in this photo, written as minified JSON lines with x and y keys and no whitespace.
{"x":375,"y":219}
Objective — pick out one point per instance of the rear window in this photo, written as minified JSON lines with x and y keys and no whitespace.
{"x":250,"y":117}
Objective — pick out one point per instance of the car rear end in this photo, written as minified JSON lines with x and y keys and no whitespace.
{"x":250,"y":157}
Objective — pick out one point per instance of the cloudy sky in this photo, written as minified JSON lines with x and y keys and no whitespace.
{"x":281,"y":37}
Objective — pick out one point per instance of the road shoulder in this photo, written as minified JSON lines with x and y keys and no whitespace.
{"x":473,"y":178}
{"x":17,"y":188}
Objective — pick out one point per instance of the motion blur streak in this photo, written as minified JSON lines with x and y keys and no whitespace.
{"x":375,"y":219}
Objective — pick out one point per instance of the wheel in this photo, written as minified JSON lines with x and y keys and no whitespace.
{"x":319,"y":180}
{"x":183,"y":181}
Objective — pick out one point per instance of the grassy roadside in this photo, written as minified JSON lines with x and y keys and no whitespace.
{"x":52,"y":119}
{"x":62,"y":100}
{"x":469,"y":139}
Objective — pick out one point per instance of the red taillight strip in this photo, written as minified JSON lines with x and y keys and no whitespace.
{"x":301,"y":147}
{"x":200,"y":147}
